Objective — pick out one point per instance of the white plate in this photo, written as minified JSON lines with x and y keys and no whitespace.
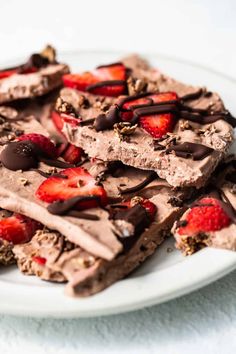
{"x":165,"y":275}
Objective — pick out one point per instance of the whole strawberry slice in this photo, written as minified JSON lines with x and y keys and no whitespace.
{"x":71,"y":153}
{"x":44,"y":143}
{"x":158,"y":125}
{"x":151,"y":99}
{"x":208,"y":215}
{"x":78,"y":182}
{"x":18,"y":228}
{"x":105,"y":80}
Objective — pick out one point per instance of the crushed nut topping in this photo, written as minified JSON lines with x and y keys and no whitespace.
{"x":50,"y":53}
{"x":24,"y":181}
{"x":135,"y":200}
{"x":64,"y":107}
{"x":184,"y":125}
{"x":123,"y":129}
{"x":136,"y":86}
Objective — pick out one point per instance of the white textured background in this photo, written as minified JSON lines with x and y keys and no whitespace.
{"x":202,"y":31}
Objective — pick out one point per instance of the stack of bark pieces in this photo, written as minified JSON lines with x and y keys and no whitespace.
{"x":99,"y":168}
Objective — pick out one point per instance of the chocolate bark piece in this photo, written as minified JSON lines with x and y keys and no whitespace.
{"x":21,"y":86}
{"x":138,"y":150}
{"x":222,"y":188}
{"x":95,"y":236}
{"x":87,"y":274}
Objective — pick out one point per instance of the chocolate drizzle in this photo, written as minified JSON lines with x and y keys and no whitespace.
{"x":176,"y":107}
{"x":195,"y":151}
{"x":20,"y":155}
{"x":111,"y":83}
{"x":63,"y":207}
{"x":151,"y":177}
{"x":192,"y":96}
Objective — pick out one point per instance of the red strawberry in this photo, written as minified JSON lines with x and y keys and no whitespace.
{"x":6,"y":73}
{"x":150,"y":207}
{"x":59,"y":119}
{"x":18,"y":228}
{"x":79,"y":81}
{"x":72,"y":154}
{"x":78,"y":183}
{"x":164,"y":97}
{"x":89,"y":80}
{"x":44,"y":143}
{"x":208,"y":215}
{"x":150,"y":99}
{"x":157,"y":124}
{"x":40,"y":260}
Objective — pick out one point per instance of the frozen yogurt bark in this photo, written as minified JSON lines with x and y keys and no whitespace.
{"x":210,"y":221}
{"x":177,"y":130}
{"x":38,"y":76}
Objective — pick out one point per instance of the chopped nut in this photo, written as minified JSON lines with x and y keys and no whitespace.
{"x":124,"y":128}
{"x":24,"y":181}
{"x":136,"y":86}
{"x":184,"y":125}
{"x":52,"y":170}
{"x":84,"y":262}
{"x":50,"y":53}
{"x":83,"y":102}
{"x":135,"y":200}
{"x":64,"y":107}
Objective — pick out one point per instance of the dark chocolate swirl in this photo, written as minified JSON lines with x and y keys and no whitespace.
{"x":187,"y":149}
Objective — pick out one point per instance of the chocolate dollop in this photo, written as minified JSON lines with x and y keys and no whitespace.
{"x":107,"y":121}
{"x":20,"y":155}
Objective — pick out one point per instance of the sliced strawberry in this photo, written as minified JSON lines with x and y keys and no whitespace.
{"x":79,"y":81}
{"x":72,"y":154}
{"x":40,"y":260}
{"x":158,"y":124}
{"x":129,"y":106}
{"x":78,"y":183}
{"x":150,"y":208}
{"x":18,"y":228}
{"x":6,"y":73}
{"x":44,"y":143}
{"x":109,"y":88}
{"x":59,"y":119}
{"x":113,"y":77}
{"x":208,"y":215}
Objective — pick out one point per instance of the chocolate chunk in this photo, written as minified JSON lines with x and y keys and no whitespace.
{"x":20,"y":155}
{"x":137,"y":216}
{"x":107,"y":121}
{"x":195,"y":151}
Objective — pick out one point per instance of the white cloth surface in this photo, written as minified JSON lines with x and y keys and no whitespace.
{"x":202,"y":31}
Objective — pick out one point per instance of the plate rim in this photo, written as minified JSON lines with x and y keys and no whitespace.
{"x":78,"y":311}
